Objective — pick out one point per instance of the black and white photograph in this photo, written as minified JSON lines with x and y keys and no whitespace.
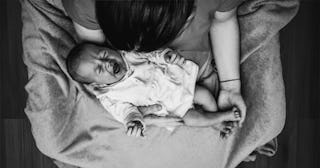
{"x":160,"y":83}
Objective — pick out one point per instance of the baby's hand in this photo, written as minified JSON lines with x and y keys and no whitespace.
{"x":135,"y":128}
{"x":174,"y":58}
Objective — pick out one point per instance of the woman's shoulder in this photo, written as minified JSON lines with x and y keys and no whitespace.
{"x":227,"y":5}
{"x":205,"y":9}
{"x":82,"y":12}
{"x":217,"y":5}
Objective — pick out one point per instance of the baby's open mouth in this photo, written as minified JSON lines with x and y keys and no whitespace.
{"x":116,"y":68}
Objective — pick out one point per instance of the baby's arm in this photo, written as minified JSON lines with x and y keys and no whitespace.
{"x":126,"y":113}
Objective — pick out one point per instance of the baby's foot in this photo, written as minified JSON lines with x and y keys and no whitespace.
{"x":227,"y":128}
{"x":195,"y":118}
{"x":233,"y":115}
{"x":229,"y":120}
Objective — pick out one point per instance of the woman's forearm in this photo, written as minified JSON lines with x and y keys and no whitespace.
{"x":85,"y":34}
{"x":224,"y":34}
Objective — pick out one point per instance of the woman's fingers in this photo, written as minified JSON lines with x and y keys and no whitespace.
{"x":238,"y":101}
{"x":228,"y":99}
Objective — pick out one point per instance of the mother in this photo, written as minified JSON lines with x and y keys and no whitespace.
{"x":184,"y":25}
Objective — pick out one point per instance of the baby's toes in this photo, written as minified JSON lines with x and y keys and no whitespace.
{"x":237,"y":114}
{"x":230,"y":116}
{"x":229,"y":125}
{"x":228,"y":130}
{"x":225,"y":133}
{"x":218,"y":127}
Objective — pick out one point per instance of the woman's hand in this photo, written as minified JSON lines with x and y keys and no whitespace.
{"x":225,"y":121}
{"x":230,"y":96}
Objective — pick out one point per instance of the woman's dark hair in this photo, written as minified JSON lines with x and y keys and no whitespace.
{"x":142,"y":25}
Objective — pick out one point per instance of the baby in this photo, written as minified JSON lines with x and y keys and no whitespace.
{"x":122,"y":81}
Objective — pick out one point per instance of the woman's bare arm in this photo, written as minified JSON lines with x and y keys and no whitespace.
{"x":85,"y":34}
{"x":224,"y":33}
{"x":226,"y":47}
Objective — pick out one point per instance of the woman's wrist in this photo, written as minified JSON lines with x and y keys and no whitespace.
{"x":229,"y":80}
{"x":231,"y":84}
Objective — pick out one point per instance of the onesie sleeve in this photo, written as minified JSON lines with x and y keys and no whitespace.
{"x":122,"y":111}
{"x":226,"y":5}
{"x":82,"y":12}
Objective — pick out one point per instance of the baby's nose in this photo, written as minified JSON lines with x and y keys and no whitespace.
{"x":107,"y":66}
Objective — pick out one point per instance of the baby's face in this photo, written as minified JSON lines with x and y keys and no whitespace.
{"x":101,"y":65}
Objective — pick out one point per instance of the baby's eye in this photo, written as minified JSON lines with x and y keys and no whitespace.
{"x":99,"y":69}
{"x":103,"y":54}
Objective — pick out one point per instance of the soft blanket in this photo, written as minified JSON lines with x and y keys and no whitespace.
{"x":72,"y":127}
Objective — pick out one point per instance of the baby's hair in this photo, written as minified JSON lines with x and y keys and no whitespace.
{"x":142,"y":25}
{"x":73,"y":60}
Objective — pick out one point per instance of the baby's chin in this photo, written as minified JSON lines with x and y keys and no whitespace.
{"x":104,"y":84}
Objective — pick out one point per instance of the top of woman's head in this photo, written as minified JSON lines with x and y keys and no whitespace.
{"x":142,"y":25}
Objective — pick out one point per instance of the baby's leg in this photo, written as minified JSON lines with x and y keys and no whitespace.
{"x":210,"y":82}
{"x":222,"y":121}
{"x":204,"y":98}
{"x":200,"y":118}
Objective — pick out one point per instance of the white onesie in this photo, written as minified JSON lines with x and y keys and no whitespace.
{"x":151,"y":80}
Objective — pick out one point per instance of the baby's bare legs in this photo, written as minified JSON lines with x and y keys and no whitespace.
{"x":204,"y":98}
{"x":223,"y":121}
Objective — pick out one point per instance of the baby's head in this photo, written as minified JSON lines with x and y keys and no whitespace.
{"x":92,"y":64}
